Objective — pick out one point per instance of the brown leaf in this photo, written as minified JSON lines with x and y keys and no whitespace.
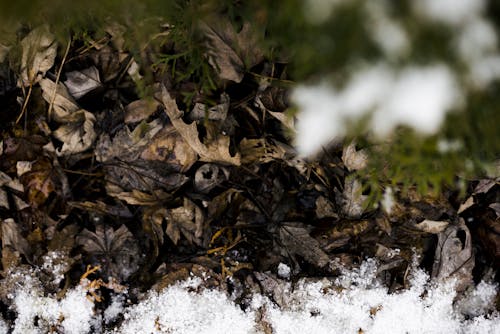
{"x":39,"y":182}
{"x":215,"y":151}
{"x":169,"y":147}
{"x":116,"y":250}
{"x":12,"y":237}
{"x":76,"y":136}
{"x":297,"y":241}
{"x":454,"y":257}
{"x":188,"y":220}
{"x":231,"y":52}
{"x":140,"y":110}
{"x":38,"y":55}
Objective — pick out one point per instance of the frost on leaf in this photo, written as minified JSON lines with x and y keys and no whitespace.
{"x":231,"y":52}
{"x":39,"y":49}
{"x":217,"y":150}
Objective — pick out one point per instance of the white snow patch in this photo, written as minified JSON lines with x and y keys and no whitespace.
{"x":284,"y":271}
{"x":453,"y":12}
{"x":418,"y":97}
{"x":177,"y":310}
{"x":356,"y":300}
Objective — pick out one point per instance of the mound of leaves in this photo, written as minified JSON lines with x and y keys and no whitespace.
{"x":114,"y":168}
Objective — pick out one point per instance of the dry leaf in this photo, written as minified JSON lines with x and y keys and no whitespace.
{"x":297,"y":241}
{"x":11,"y":237}
{"x":82,"y":82}
{"x":76,"y":136}
{"x":38,"y":55}
{"x":39,"y":182}
{"x":216,"y":113}
{"x":63,"y":103}
{"x":116,"y":250}
{"x":231,"y":52}
{"x":170,"y":148}
{"x":215,"y":151}
{"x":353,"y":159}
{"x":352,"y":199}
{"x":432,"y":226}
{"x":209,"y":176}
{"x":188,"y":220}
{"x":140,"y":110}
{"x":454,"y":256}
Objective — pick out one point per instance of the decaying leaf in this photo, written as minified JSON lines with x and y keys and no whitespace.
{"x":12,"y":237}
{"x":352,"y":200}
{"x":116,"y":250}
{"x":170,"y":148}
{"x":188,"y":220}
{"x":77,"y":133}
{"x":208,"y":176}
{"x":39,"y":50}
{"x":354,"y":159}
{"x":140,"y":110}
{"x":454,"y":256}
{"x":231,"y":52}
{"x":82,"y":82}
{"x":215,"y":151}
{"x":77,"y":136}
{"x":216,"y":113}
{"x":432,"y":226}
{"x":39,"y":181}
{"x":297,"y":241}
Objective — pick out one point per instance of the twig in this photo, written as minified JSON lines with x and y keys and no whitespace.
{"x":51,"y":106}
{"x":25,"y":104}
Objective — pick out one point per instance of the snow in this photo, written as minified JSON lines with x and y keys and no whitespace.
{"x":354,"y":301}
{"x":415,"y":96}
{"x":453,"y":12}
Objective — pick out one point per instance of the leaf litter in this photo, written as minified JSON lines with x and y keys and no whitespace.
{"x":124,"y":213}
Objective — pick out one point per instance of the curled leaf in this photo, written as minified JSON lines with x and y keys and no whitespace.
{"x":39,"y":50}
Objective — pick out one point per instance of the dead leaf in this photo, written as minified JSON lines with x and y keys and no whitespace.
{"x":116,"y":250}
{"x":325,"y":208}
{"x":215,"y":151}
{"x":82,"y":82}
{"x":354,"y":159}
{"x":454,"y":256}
{"x":76,"y":136}
{"x":39,"y":50}
{"x":187,"y":220}
{"x":209,"y":176}
{"x":12,"y":237}
{"x":352,"y":200}
{"x":231,"y":52}
{"x":170,"y":148}
{"x":432,"y":226}
{"x":39,"y":182}
{"x":140,"y":110}
{"x":216,"y":113}
{"x":63,"y":103}
{"x":297,"y":241}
